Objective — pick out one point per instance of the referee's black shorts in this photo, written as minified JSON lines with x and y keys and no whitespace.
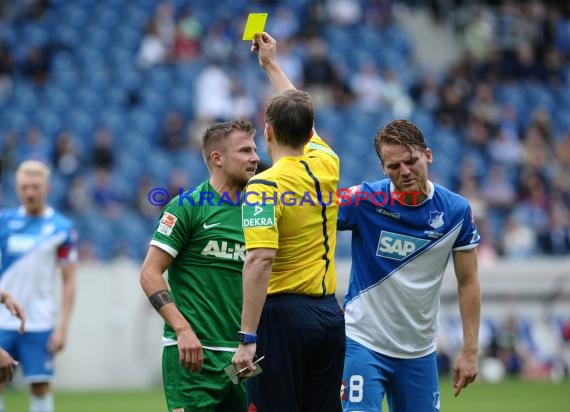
{"x":303,"y":340}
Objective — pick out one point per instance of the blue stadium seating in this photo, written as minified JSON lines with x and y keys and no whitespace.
{"x":95,"y":81}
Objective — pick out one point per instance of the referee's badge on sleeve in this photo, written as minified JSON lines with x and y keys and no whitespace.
{"x":258,"y":215}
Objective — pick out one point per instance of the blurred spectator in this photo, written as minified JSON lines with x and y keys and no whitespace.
{"x":451,"y":108}
{"x":102,"y":153}
{"x":173,"y":132}
{"x":10,"y":155}
{"x":344,"y":12}
{"x":79,"y":200}
{"x":509,"y":30}
{"x":219,"y":42}
{"x":508,"y":123}
{"x":395,"y":96}
{"x":477,"y":134}
{"x":425,"y":92}
{"x":105,"y":194}
{"x":368,"y":87}
{"x":27,"y":9}
{"x":315,"y":19}
{"x":484,"y":106}
{"x":536,"y":152}
{"x":6,"y":68}
{"x":319,"y":73}
{"x":509,"y":347}
{"x":499,"y":193}
{"x":213,"y":93}
{"x":542,"y":121}
{"x":36,"y":146}
{"x":534,"y":208}
{"x":505,"y":150}
{"x":187,"y":41}
{"x":152,"y":50}
{"x":165,"y":22}
{"x":66,"y":158}
{"x":142,"y":203}
{"x":554,"y":68}
{"x":518,"y":240}
{"x":479,"y":35}
{"x":525,"y":65}
{"x":469,"y":188}
{"x":378,"y":13}
{"x":36,"y":65}
{"x":555,"y":239}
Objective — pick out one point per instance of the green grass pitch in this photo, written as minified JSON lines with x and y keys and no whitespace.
{"x":508,"y":396}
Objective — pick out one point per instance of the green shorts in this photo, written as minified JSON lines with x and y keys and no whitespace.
{"x":209,"y":390}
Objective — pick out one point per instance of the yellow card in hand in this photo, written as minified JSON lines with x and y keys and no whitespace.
{"x":255,"y":24}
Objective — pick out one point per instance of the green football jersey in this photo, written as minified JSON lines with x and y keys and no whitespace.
{"x":202,"y":232}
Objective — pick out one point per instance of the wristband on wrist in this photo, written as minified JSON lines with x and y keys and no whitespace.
{"x":244,"y":337}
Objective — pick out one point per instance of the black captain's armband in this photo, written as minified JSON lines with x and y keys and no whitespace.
{"x":160,"y":298}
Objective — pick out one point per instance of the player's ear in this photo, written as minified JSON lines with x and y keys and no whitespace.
{"x":429,"y":155}
{"x":268,"y":132}
{"x":216,"y":158}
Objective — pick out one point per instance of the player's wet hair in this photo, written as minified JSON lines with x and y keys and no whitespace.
{"x":214,"y":137}
{"x":291,"y":115}
{"x":399,"y":132}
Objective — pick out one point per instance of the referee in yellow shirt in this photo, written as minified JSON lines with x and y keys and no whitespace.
{"x":290,"y":313}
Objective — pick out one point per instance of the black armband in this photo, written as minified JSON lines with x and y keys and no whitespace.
{"x":160,"y":298}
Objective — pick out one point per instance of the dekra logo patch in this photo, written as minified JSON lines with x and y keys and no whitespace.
{"x":398,"y":247}
{"x":258,"y":216}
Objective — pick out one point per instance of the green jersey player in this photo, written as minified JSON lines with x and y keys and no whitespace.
{"x":200,"y":241}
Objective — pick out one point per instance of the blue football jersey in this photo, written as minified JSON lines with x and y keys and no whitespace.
{"x":399,"y":256}
{"x":31,"y":249}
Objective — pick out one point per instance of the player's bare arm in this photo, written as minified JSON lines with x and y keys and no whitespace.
{"x":465,"y":367}
{"x":57,"y":339}
{"x":156,"y":289}
{"x":256,"y":273}
{"x":15,"y":308}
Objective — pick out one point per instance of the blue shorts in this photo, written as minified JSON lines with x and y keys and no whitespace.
{"x":410,"y":385}
{"x":30,"y":349}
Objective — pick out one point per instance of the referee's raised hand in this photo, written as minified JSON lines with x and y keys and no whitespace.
{"x":266,"y":47}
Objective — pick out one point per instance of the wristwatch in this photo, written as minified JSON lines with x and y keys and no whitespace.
{"x":244,"y":337}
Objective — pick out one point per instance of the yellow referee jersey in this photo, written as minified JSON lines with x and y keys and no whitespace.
{"x":292,"y":207}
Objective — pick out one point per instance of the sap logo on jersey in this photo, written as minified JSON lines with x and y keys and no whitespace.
{"x":21,"y":243}
{"x":398,"y":247}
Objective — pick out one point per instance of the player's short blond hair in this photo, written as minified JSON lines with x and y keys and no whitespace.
{"x":33,"y":168}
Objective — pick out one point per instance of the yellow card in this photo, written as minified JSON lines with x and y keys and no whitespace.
{"x":255,"y":24}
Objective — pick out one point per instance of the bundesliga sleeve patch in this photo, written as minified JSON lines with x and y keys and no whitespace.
{"x":167,"y":223}
{"x":258,"y":216}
